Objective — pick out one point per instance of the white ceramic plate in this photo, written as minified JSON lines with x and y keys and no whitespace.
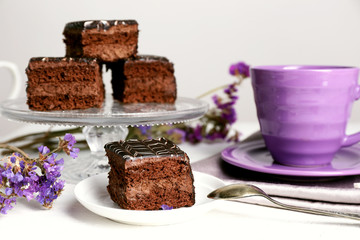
{"x":92,"y":194}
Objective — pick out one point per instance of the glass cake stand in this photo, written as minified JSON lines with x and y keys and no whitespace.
{"x":102,"y":125}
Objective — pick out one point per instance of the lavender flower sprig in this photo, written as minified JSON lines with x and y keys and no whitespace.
{"x":215,"y":125}
{"x":33,"y":178}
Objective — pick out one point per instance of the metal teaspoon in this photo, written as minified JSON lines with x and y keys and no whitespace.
{"x":237,"y":191}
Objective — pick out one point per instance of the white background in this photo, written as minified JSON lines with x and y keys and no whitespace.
{"x":201,"y":37}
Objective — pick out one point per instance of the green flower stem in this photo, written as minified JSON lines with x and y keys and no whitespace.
{"x":240,"y":80}
{"x":15,"y":149}
{"x":44,"y":135}
{"x":39,"y":137}
{"x":212,"y":91}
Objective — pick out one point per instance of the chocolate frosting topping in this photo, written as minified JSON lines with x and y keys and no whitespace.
{"x":63,"y":59}
{"x":98,"y":24}
{"x":134,"y":148}
{"x":144,"y":57}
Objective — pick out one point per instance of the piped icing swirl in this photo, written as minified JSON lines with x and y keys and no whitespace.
{"x":134,"y":148}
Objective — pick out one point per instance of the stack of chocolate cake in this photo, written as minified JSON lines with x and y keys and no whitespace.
{"x":144,"y":175}
{"x":75,"y":81}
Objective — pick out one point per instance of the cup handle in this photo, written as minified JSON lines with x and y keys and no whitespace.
{"x":353,"y":138}
{"x":15,"y":91}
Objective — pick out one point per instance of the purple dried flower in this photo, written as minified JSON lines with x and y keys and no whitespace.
{"x":33,"y":176}
{"x":51,"y":159}
{"x":70,"y":139}
{"x":59,"y":185}
{"x":18,"y":177}
{"x":52,"y":167}
{"x":229,"y":115}
{"x":216,"y":135}
{"x":8,"y":173}
{"x":8,"y":191}
{"x":166,"y":207}
{"x":69,"y":148}
{"x":177,"y":133}
{"x":195,"y":134}
{"x":74,"y":152}
{"x":49,"y":191}
{"x":22,"y":165}
{"x":240,"y":68}
{"x":13,"y":159}
{"x":43,"y":150}
{"x":228,"y":112}
{"x":5,"y":204}
{"x":216,"y":100}
{"x":144,"y":129}
{"x":60,"y":162}
{"x":29,"y":193}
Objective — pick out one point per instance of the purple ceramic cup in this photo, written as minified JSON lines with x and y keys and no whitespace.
{"x":303,"y":111}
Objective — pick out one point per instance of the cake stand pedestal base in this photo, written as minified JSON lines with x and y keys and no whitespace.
{"x":105,"y":124}
{"x":94,"y":161}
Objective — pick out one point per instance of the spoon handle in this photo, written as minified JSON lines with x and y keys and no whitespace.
{"x":311,"y":210}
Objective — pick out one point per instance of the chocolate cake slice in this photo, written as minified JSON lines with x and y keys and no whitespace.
{"x":107,"y":40}
{"x":146,"y":174}
{"x":144,"y":79}
{"x":64,"y":83}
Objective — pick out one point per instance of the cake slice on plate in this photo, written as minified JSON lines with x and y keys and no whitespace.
{"x":149,"y":174}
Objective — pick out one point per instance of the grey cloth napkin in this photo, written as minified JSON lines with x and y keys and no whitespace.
{"x":334,"y":194}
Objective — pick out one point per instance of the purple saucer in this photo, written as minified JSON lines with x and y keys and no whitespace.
{"x":254,"y":156}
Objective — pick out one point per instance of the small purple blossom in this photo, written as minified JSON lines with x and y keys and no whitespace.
{"x":33,"y":176}
{"x":8,"y":191}
{"x":144,"y":129}
{"x":228,"y":112}
{"x":74,"y":152}
{"x":49,"y":191}
{"x":6,"y":204}
{"x":215,"y":135}
{"x":44,"y":150}
{"x":53,"y":167}
{"x":195,"y":135}
{"x":17,"y":178}
{"x":8,"y":173}
{"x":13,"y":159}
{"x":166,"y":207}
{"x":59,"y":185}
{"x":22,"y":165}
{"x":179,"y":134}
{"x":70,"y":139}
{"x":29,"y":193}
{"x":240,"y":68}
{"x":69,"y":148}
